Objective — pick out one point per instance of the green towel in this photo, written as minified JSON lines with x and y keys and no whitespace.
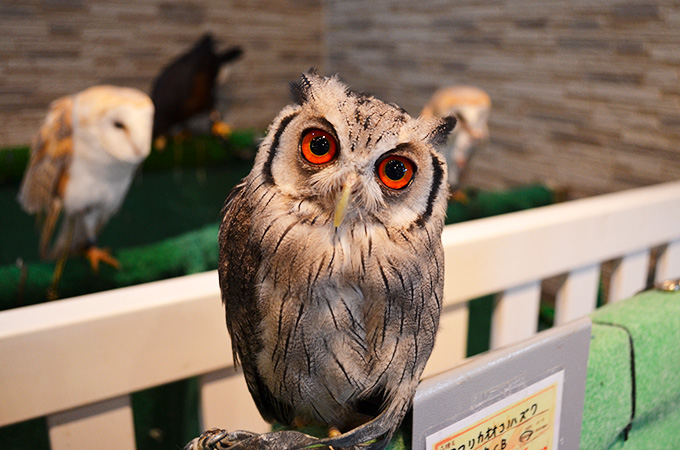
{"x":651,"y":320}
{"x":189,"y":253}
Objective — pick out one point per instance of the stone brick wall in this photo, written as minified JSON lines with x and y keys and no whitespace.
{"x":51,"y":48}
{"x":586,"y":93}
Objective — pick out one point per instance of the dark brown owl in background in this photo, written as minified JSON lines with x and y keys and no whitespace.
{"x":187,"y":87}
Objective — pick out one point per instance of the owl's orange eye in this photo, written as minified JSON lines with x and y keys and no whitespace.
{"x":396,"y":172}
{"x":318,"y":146}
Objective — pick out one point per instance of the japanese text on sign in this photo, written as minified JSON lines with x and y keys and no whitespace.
{"x":525,"y":420}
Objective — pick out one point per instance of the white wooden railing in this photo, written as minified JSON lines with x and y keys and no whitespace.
{"x":77,"y":360}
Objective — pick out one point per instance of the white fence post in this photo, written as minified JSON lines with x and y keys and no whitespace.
{"x":668,"y":264}
{"x":451,"y":345}
{"x":515,"y":314}
{"x":629,"y":276}
{"x":226,"y":402}
{"x":578,"y":294}
{"x":106,"y":424}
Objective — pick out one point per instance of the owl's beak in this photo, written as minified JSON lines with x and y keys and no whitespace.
{"x":343,"y":201}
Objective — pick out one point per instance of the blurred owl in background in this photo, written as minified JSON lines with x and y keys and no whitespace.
{"x":471,"y":106}
{"x":81,"y":165}
{"x":186,"y":88}
{"x":331,"y":262}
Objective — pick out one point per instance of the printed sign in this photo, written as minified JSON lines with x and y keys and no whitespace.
{"x":526,"y":420}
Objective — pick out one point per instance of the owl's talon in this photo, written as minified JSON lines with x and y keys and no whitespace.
{"x":208,"y":440}
{"x":459,"y":196}
{"x":214,"y":440}
{"x":180,"y":137}
{"x":160,"y":143}
{"x":220,"y":129}
{"x":96,"y":254}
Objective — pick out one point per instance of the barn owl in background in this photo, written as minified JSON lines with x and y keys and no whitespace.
{"x":81,"y":165}
{"x":471,"y":106}
{"x":331,"y":262}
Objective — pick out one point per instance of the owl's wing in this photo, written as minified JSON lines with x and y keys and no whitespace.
{"x":239,"y":262}
{"x":42,"y":188}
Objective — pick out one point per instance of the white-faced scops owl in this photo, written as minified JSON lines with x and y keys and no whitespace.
{"x":331,"y":263}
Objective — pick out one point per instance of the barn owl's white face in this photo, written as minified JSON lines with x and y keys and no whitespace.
{"x":117,"y":120}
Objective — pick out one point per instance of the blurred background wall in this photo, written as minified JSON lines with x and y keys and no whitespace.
{"x":50,"y":48}
{"x":586,"y":93}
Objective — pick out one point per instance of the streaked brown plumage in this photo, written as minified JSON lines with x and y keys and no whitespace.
{"x":331,"y":267}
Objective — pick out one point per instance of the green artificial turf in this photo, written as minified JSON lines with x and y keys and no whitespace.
{"x":641,"y":383}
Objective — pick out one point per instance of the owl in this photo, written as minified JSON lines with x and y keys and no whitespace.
{"x":187,"y":87}
{"x":331,"y":264}
{"x":81,"y":165}
{"x":472,"y":107}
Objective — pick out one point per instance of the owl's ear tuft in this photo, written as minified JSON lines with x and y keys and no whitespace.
{"x":301,"y":90}
{"x":440,"y":133}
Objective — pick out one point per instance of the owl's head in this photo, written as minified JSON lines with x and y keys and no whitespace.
{"x":115,"y":120}
{"x":471,"y":105}
{"x":343,"y":156}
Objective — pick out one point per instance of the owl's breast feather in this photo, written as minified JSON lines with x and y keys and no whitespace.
{"x":93,"y":183}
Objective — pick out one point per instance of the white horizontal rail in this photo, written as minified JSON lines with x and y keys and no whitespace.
{"x":78,"y":351}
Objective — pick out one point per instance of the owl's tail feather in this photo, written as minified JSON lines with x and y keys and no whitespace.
{"x":377,"y":433}
{"x":373,"y":435}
